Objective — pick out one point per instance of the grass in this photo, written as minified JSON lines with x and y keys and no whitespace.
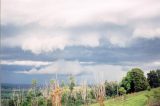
{"x":136,"y":99}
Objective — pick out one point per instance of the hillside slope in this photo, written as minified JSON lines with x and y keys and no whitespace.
{"x":136,"y":99}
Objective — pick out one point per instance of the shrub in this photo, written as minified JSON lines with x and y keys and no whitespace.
{"x":122,"y":91}
{"x":148,"y":88}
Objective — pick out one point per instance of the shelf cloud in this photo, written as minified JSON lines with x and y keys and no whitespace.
{"x":80,"y":37}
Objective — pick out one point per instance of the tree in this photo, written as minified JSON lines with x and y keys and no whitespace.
{"x":135,"y":81}
{"x":99,"y":91}
{"x":34,"y":84}
{"x":72,"y":83}
{"x":158,"y":73}
{"x":71,"y":98}
{"x":153,"y":79}
{"x":126,"y":83}
{"x":63,"y":84}
{"x":111,"y":88}
{"x":56,"y":95}
{"x":84,"y":91}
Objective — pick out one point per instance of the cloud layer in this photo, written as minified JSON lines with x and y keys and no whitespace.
{"x":85,"y":37}
{"x":70,"y":13}
{"x":62,"y":67}
{"x":25,"y":63}
{"x":54,"y":26}
{"x":43,"y":43}
{"x":109,"y":72}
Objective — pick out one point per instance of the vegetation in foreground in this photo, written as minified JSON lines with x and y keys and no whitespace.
{"x":71,"y":94}
{"x":143,"y":98}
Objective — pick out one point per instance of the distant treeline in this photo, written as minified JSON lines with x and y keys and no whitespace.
{"x":15,"y":86}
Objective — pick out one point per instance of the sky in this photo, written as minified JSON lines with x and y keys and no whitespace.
{"x":88,"y":39}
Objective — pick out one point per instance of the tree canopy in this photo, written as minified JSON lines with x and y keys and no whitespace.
{"x":153,"y":78}
{"x":134,"y":81}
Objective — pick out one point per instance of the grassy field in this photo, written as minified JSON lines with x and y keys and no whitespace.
{"x":136,"y":99}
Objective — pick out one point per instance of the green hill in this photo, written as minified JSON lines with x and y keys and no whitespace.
{"x":135,"y":99}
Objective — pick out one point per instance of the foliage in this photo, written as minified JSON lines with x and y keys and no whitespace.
{"x":136,"y":99}
{"x":153,"y":78}
{"x":122,"y":91}
{"x":91,"y":94}
{"x":84,"y":92}
{"x":99,"y":91}
{"x":126,"y":82}
{"x":75,"y":95}
{"x":153,"y":97}
{"x":71,"y":83}
{"x":111,"y":88}
{"x":134,"y":81}
{"x":148,"y":88}
{"x":156,"y":94}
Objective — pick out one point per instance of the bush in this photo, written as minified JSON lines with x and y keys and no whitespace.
{"x":122,"y":91}
{"x":156,"y":94}
{"x":148,"y":88}
{"x":155,"y":98}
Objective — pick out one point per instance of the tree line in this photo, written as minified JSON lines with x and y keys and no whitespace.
{"x":71,"y":94}
{"x":134,"y":81}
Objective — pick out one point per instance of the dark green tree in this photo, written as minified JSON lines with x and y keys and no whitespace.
{"x":135,"y":81}
{"x":111,"y":88}
{"x":126,"y":83}
{"x":158,"y":73}
{"x":152,"y":78}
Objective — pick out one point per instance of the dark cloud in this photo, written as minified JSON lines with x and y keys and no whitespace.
{"x":141,"y":50}
{"x":138,"y":50}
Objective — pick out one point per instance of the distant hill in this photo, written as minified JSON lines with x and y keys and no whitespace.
{"x":15,"y":86}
